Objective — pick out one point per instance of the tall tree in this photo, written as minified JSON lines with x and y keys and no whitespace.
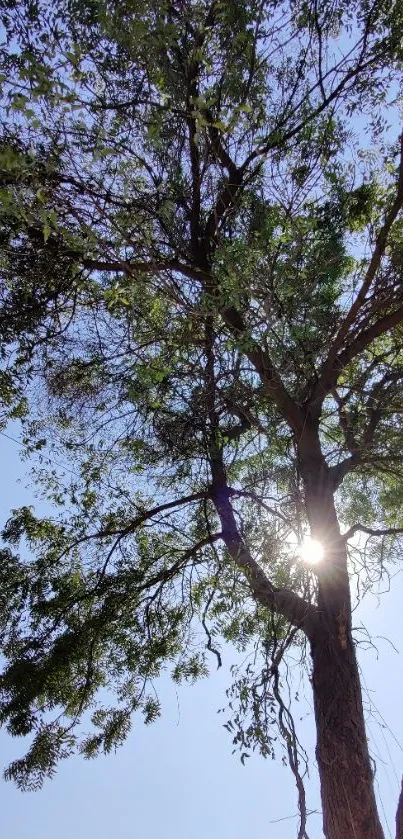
{"x":202,"y":276}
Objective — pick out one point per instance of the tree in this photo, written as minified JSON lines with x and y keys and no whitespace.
{"x":202,"y":276}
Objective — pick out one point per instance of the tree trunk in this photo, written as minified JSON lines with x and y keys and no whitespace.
{"x":399,"y":815}
{"x":348,"y":800}
{"x":346,"y":777}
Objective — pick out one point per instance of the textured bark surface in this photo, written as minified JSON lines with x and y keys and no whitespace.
{"x":348,"y":800}
{"x":346,"y":778}
{"x":399,"y":816}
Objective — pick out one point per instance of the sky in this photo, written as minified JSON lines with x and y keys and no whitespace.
{"x":177,"y":778}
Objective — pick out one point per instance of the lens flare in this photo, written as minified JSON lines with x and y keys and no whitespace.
{"x":311,"y":551}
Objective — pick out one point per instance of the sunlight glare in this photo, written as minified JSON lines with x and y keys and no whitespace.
{"x":311,"y":551}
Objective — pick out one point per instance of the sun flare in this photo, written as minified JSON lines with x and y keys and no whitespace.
{"x":311,"y":551}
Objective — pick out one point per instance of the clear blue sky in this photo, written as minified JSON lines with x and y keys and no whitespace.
{"x":177,"y":778}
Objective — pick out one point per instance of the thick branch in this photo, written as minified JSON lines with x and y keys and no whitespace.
{"x":328,"y":378}
{"x":345,"y":424}
{"x":225,"y":202}
{"x":267,"y":372}
{"x":336,"y":360}
{"x":219,"y":151}
{"x":281,"y":600}
{"x":193,"y":93}
{"x":371,"y":531}
{"x":363,"y":340}
{"x":340,"y":470}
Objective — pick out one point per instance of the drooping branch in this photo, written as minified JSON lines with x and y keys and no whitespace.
{"x":287,"y":729}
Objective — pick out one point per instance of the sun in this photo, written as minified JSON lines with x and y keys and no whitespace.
{"x":311,"y":551}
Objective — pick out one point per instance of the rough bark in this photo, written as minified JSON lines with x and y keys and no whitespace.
{"x":346,"y":777}
{"x":348,"y":800}
{"x":399,"y":815}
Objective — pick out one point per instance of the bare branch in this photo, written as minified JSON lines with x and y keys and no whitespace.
{"x":209,"y":644}
{"x":371,"y":531}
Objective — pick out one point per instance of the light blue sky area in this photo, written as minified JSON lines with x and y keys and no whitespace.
{"x":177,"y":779}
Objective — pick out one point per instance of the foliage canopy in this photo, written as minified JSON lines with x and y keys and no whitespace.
{"x":201,"y":304}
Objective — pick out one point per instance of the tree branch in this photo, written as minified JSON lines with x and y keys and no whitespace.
{"x":240,"y":493}
{"x":275,"y":141}
{"x":233,"y":319}
{"x":371,"y":531}
{"x":284,"y":601}
{"x":266,"y":370}
{"x":345,"y":424}
{"x":138,"y":521}
{"x":335,"y":361}
{"x":168,"y":573}
{"x":363,"y":340}
{"x":339,"y":472}
{"x":281,"y":600}
{"x":128,"y":267}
